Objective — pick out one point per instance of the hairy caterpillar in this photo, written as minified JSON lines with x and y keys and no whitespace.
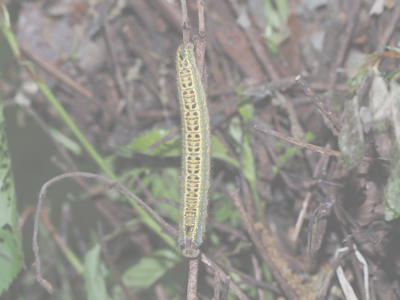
{"x":196,"y":140}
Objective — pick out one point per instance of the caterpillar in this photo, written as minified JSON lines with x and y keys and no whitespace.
{"x":196,"y":143}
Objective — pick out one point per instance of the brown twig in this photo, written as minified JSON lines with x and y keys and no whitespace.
{"x":254,"y":39}
{"x":257,"y":275}
{"x":247,"y":279}
{"x":323,"y":290}
{"x":228,"y":229}
{"x":192,"y":279}
{"x":300,"y":219}
{"x":210,"y":263}
{"x":287,"y":290}
{"x":160,"y":292}
{"x":345,"y":40}
{"x":150,"y":199}
{"x":323,"y":108}
{"x":390,"y":27}
{"x":59,"y":241}
{"x":56,"y":73}
{"x":217,"y":284}
{"x":66,"y":169}
{"x":24,"y":215}
{"x":322,"y":164}
{"x":200,"y":8}
{"x":118,"y":75}
{"x":275,"y":160}
{"x":224,"y":295}
{"x":112,"y":184}
{"x":69,"y":82}
{"x":201,"y":44}
{"x":111,"y":265}
{"x":185,"y":23}
{"x":312,"y":147}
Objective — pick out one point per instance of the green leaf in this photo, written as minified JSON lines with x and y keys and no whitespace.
{"x":289,"y":153}
{"x":395,"y":49}
{"x":165,"y":183}
{"x":351,"y":137}
{"x":6,"y":29}
{"x":309,"y":136}
{"x":150,"y":269}
{"x":219,"y":151}
{"x":8,"y":65}
{"x":392,"y":190}
{"x":275,"y":169}
{"x":239,"y":90}
{"x":244,"y":138}
{"x":66,"y":141}
{"x":249,"y":169}
{"x":94,"y":274}
{"x":171,"y":147}
{"x":272,"y":15}
{"x":235,"y":130}
{"x":246,"y":109}
{"x":223,"y":210}
{"x":283,"y":9}
{"x":11,"y":256}
{"x":391,"y":75}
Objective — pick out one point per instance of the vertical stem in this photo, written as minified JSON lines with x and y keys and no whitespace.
{"x":192,"y":281}
{"x":185,"y":23}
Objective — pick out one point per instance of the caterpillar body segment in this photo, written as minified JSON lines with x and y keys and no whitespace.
{"x":196,"y":144}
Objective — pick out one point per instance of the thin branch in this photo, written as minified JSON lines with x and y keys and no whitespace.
{"x":112,"y":184}
{"x":320,"y":168}
{"x":289,"y":293}
{"x":111,"y":265}
{"x":328,"y":278}
{"x":118,"y":75}
{"x":160,"y":292}
{"x":200,"y":8}
{"x":233,"y":232}
{"x":254,"y":39}
{"x":217,"y":284}
{"x":64,"y":249}
{"x":56,"y":73}
{"x":210,"y":263}
{"x":345,"y":40}
{"x":185,"y":23}
{"x":247,"y":279}
{"x":323,"y":108}
{"x":192,"y":279}
{"x":226,"y":289}
{"x":257,"y":275}
{"x":390,"y":27}
{"x":300,"y":219}
{"x":201,"y":44}
{"x":312,"y":147}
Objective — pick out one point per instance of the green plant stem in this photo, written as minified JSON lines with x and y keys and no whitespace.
{"x":145,"y":217}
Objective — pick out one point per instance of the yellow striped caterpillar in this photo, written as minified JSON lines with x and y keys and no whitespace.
{"x":196,"y":143}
